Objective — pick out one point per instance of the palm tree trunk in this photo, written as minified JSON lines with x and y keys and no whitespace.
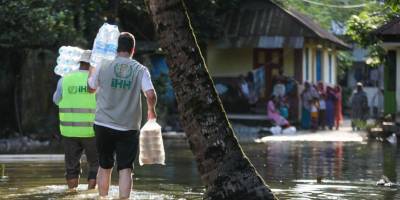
{"x":225,"y":170}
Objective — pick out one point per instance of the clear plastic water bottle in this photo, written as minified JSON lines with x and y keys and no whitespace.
{"x":112,"y":42}
{"x":68,"y":60}
{"x":105,"y":44}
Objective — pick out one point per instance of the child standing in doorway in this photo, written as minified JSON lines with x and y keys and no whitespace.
{"x":314,"y":114}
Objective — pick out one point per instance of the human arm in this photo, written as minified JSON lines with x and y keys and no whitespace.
{"x":150,"y":94}
{"x":57,"y":96}
{"x":93,"y":80}
{"x":151,"y":98}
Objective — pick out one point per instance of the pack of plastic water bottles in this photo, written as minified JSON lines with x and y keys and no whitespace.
{"x":105,"y":44}
{"x":151,"y":144}
{"x":68,"y":60}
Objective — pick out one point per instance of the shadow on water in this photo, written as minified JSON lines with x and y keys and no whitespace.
{"x":293,"y":169}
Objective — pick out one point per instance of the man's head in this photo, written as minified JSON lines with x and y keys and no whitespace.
{"x":359,"y":86}
{"x":84,"y":60}
{"x":126,"y":43}
{"x":307,"y":84}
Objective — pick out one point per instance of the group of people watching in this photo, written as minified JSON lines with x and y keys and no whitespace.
{"x":321,"y":106}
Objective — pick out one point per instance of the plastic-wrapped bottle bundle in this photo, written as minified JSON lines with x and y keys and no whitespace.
{"x":151,"y":144}
{"x":68,"y":60}
{"x":112,"y":44}
{"x":105,"y":44}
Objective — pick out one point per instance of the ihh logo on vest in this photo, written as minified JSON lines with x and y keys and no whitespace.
{"x":77,"y":89}
{"x":123,"y":72}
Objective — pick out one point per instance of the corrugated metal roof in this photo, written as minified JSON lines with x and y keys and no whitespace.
{"x":390,"y":28}
{"x":256,"y":19}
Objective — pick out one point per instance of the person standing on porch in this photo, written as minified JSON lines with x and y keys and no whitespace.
{"x":330,"y":107}
{"x":338,"y":106}
{"x":307,"y":97}
{"x":314,"y":114}
{"x":322,"y":105}
{"x":119,"y":83}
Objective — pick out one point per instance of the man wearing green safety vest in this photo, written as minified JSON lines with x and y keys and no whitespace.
{"x":76,"y":110}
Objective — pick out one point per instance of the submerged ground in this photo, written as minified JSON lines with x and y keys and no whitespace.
{"x":348,"y":167}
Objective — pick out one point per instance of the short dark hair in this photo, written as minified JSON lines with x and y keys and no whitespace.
{"x":126,"y":42}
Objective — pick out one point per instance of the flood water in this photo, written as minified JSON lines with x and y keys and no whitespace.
{"x":349,"y":170}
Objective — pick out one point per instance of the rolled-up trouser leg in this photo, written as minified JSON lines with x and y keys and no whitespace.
{"x":73,"y":152}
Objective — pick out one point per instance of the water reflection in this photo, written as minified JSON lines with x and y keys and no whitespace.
{"x":348,"y":170}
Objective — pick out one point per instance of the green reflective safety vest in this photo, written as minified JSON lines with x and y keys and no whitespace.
{"x":77,"y":106}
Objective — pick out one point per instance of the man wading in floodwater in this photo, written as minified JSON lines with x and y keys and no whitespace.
{"x":76,"y":108}
{"x":119,"y":113}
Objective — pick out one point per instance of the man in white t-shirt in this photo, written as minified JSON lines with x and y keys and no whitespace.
{"x":118,"y":84}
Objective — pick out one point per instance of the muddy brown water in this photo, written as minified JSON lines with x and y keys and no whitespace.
{"x":348,"y":170}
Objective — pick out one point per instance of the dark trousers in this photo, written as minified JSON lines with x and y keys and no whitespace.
{"x":74,"y":147}
{"x":322,"y":119}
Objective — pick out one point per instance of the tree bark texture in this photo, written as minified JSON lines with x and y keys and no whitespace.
{"x":37,"y":85}
{"x":225,"y":170}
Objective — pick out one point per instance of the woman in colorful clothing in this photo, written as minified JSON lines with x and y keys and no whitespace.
{"x":338,"y":107}
{"x":306,"y":99}
{"x":331,"y":100}
{"x":274,"y":114}
{"x":322,"y":105}
{"x":314,"y":114}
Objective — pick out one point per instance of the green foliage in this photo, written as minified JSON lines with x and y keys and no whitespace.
{"x":345,"y":62}
{"x":394,"y":5}
{"x":33,"y":23}
{"x":325,"y":15}
{"x":360,"y":28}
{"x":50,"y":23}
{"x":361,"y":124}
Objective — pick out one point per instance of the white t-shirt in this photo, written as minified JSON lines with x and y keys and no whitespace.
{"x":93,"y":83}
{"x":146,"y":80}
{"x":322,"y":104}
{"x":314,"y":108}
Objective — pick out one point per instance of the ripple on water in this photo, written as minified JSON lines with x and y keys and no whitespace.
{"x":61,"y":192}
{"x":333,"y":189}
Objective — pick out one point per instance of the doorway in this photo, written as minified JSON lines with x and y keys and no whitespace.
{"x":272,"y":61}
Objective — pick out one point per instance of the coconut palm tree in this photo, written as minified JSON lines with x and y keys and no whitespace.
{"x":225,"y":170}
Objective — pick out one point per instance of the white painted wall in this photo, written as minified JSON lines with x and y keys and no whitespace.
{"x":288,"y":62}
{"x":312,"y":71}
{"x":325,"y":66}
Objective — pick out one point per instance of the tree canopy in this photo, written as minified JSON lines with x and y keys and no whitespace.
{"x":328,"y":12}
{"x":360,"y":28}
